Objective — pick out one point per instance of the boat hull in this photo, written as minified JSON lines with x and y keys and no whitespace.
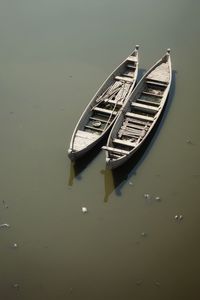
{"x":104,"y":108}
{"x":140,"y":114}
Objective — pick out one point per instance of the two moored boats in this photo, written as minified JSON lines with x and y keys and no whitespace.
{"x":130,"y":113}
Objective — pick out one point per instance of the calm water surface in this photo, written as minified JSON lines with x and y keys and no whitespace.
{"x":53,"y":57}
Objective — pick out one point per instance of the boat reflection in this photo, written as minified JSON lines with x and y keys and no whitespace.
{"x":78,"y":166}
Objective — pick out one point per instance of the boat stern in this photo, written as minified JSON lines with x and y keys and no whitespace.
{"x":71,"y":154}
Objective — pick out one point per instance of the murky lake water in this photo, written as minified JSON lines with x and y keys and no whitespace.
{"x":53,"y":57}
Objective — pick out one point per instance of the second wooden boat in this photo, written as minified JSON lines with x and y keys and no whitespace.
{"x":103,"y":109}
{"x":140,"y":113}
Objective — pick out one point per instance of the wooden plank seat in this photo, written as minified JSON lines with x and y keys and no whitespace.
{"x":99,"y":120}
{"x":151,"y":94}
{"x":138,"y":116}
{"x":132,"y":58}
{"x":144,"y":107}
{"x":113,"y":102}
{"x":122,"y":78}
{"x":105,"y":111}
{"x":131,"y":66}
{"x":124,"y":142}
{"x":157,"y":83}
{"x":94,"y":128}
{"x":133,"y":125}
{"x":115,"y":150}
{"x":137,"y":121}
{"x":148,"y":102}
{"x":136,"y":132}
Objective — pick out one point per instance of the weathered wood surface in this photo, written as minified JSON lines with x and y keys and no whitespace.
{"x":122,"y":93}
{"x":138,"y":116}
{"x":124,"y":142}
{"x":115,"y":150}
{"x":106,"y":111}
{"x":145,"y":107}
{"x":123,"y":78}
{"x":160,"y":73}
{"x":83,"y":139}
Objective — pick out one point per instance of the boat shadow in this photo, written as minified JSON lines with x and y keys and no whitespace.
{"x":78,"y":166}
{"x":115,"y":179}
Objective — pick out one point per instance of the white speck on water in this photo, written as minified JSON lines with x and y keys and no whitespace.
{"x":147,"y":196}
{"x":158,"y":198}
{"x":16,"y":285}
{"x":130,"y":183}
{"x":4,"y":226}
{"x":138,"y":282}
{"x":143,"y":234}
{"x":157,"y":283}
{"x":188,"y":141}
{"x":178,"y":217}
{"x":15,"y":245}
{"x":181,"y":217}
{"x":84,"y":209}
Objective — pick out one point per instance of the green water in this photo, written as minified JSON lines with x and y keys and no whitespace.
{"x":53,"y":57}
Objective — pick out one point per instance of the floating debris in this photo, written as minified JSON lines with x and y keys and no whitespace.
{"x":181,"y":217}
{"x":4,"y":204}
{"x":15,"y":245}
{"x":143,"y":234}
{"x":16,"y":285}
{"x":157,"y":198}
{"x":178,"y":217}
{"x":130,"y":183}
{"x":84,"y":209}
{"x":188,"y":141}
{"x":138,"y":282}
{"x":147,"y":196}
{"x":5,"y":225}
{"x":157,"y":283}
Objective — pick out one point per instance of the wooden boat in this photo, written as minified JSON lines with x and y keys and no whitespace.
{"x":103,"y":109}
{"x":140,"y":113}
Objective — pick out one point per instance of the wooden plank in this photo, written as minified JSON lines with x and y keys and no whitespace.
{"x":106,"y":111}
{"x":99,"y":120}
{"x":145,"y":107}
{"x":156,"y":83}
{"x":136,"y":121}
{"x":124,"y":142}
{"x":131,"y":66}
{"x":123,"y":92}
{"x":148,"y":102}
{"x":113,"y":102}
{"x":115,"y":150}
{"x":136,"y":126}
{"x":138,"y":116}
{"x":129,"y":73}
{"x":136,"y":132}
{"x":152,"y":94}
{"x":124,"y":78}
{"x":132,"y":58}
{"x":94,"y":128}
